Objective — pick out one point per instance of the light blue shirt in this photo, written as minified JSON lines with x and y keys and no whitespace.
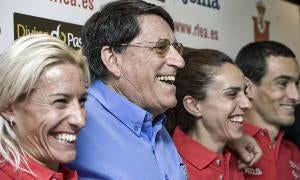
{"x":120,"y":141}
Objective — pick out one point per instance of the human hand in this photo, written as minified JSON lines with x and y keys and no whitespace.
{"x":248,"y":150}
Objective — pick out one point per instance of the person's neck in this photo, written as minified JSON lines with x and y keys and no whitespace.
{"x":253,"y":117}
{"x":207,"y":139}
{"x":50,"y":165}
{"x":114,"y":87}
{"x":53,"y":166}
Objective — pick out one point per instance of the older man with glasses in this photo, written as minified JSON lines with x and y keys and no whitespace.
{"x":133,"y":57}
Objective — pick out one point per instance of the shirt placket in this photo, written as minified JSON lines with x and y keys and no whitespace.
{"x":219,"y":164}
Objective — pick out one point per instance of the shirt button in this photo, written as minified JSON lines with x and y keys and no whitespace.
{"x":218,"y":162}
{"x":166,"y":177}
{"x":271,"y":146}
{"x":135,"y":128}
{"x":221,"y":177}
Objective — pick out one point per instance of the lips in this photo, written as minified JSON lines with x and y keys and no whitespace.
{"x":290,"y":107}
{"x":65,"y":137}
{"x":169,"y":79}
{"x":237,"y":120}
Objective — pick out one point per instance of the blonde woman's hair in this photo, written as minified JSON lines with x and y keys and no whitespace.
{"x":21,"y":66}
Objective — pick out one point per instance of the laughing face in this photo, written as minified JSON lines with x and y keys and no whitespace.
{"x":224,"y":107}
{"x":277,"y":94}
{"x":48,"y":122}
{"x":147,"y":78}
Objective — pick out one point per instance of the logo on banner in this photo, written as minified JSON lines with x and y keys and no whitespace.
{"x":67,"y":32}
{"x":84,"y":4}
{"x":213,"y":4}
{"x":261,"y":26}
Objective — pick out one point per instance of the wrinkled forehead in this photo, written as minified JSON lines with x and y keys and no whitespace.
{"x":153,"y":28}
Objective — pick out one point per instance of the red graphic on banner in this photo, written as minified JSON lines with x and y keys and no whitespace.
{"x":261,"y":26}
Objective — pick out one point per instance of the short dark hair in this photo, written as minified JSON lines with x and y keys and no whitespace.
{"x":194,"y":80}
{"x":115,"y":24}
{"x":251,"y":59}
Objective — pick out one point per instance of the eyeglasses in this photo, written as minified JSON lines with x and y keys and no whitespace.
{"x":162,"y":47}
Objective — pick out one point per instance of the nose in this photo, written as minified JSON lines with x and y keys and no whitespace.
{"x":293,"y":92}
{"x":174,"y":58}
{"x":78,"y":115}
{"x":244,"y":102}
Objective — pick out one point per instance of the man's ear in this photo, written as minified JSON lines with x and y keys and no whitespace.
{"x":110,"y":60}
{"x":192,"y":106}
{"x":251,"y":88}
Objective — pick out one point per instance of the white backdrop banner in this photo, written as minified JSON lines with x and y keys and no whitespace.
{"x":225,"y":25}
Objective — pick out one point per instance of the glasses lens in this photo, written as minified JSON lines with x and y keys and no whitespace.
{"x":162,"y":47}
{"x":178,"y":47}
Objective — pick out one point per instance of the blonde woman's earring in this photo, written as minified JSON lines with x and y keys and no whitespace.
{"x":11,"y":121}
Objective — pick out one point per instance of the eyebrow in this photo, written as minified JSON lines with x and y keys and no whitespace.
{"x":285,"y":77}
{"x":68,"y":95}
{"x":233,"y":88}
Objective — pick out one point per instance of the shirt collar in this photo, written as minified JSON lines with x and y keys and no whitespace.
{"x":250,"y":129}
{"x":127,"y":112}
{"x":253,"y":130}
{"x":190,"y":150}
{"x":40,"y":171}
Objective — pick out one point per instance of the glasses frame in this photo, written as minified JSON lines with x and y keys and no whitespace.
{"x":161,"y":47}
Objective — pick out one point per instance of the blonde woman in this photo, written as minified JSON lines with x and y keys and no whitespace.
{"x":43,"y":87}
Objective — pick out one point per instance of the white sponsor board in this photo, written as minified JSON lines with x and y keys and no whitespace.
{"x":225,"y":25}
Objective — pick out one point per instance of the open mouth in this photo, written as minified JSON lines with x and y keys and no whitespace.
{"x":64,"y":138}
{"x":169,"y":79}
{"x":288,"y":106}
{"x":237,"y":121}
